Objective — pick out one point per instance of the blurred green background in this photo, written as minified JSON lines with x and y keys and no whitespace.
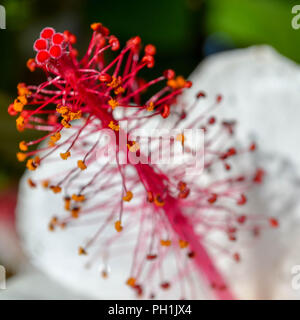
{"x":184,"y":31}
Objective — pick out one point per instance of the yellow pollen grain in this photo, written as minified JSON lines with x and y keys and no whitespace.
{"x":119,"y":90}
{"x":114,"y":83}
{"x":113,"y":126}
{"x":75,"y":115}
{"x":65,"y":123}
{"x":113,"y":103}
{"x":62,"y":109}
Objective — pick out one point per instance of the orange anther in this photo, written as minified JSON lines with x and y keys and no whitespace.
{"x":165,"y":243}
{"x":131,"y":282}
{"x":21,"y":156}
{"x":55,"y":137}
{"x":183,"y":244}
{"x":113,"y":103}
{"x":65,"y":155}
{"x":81,"y":251}
{"x":75,"y":212}
{"x":23,"y":146}
{"x":118,"y":226}
{"x":128,"y":196}
{"x":81,"y":165}
{"x":67,"y":201}
{"x":31,"y":183}
{"x":55,"y":189}
{"x":45,"y":184}
{"x":31,"y":165}
{"x":150,"y":107}
{"x":78,"y":197}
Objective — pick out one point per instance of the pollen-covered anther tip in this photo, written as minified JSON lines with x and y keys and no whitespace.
{"x":45,"y":184}
{"x":78,"y":197}
{"x":65,"y":155}
{"x":113,"y":126}
{"x":82,"y":251}
{"x":21,"y":156}
{"x":128,"y":196}
{"x":67,"y":201}
{"x":178,"y":83}
{"x":20,"y":123}
{"x":165,"y":243}
{"x":183,"y":244}
{"x":113,"y":103}
{"x":55,"y":189}
{"x":98,"y":27}
{"x":75,"y":212}
{"x":55,"y":137}
{"x":118,"y":226}
{"x":151,"y":106}
{"x":131,"y":282}
{"x":81,"y":165}
{"x":23,"y":146}
{"x":31,"y":164}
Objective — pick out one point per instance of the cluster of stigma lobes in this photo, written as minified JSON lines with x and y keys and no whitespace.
{"x":167,"y":215}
